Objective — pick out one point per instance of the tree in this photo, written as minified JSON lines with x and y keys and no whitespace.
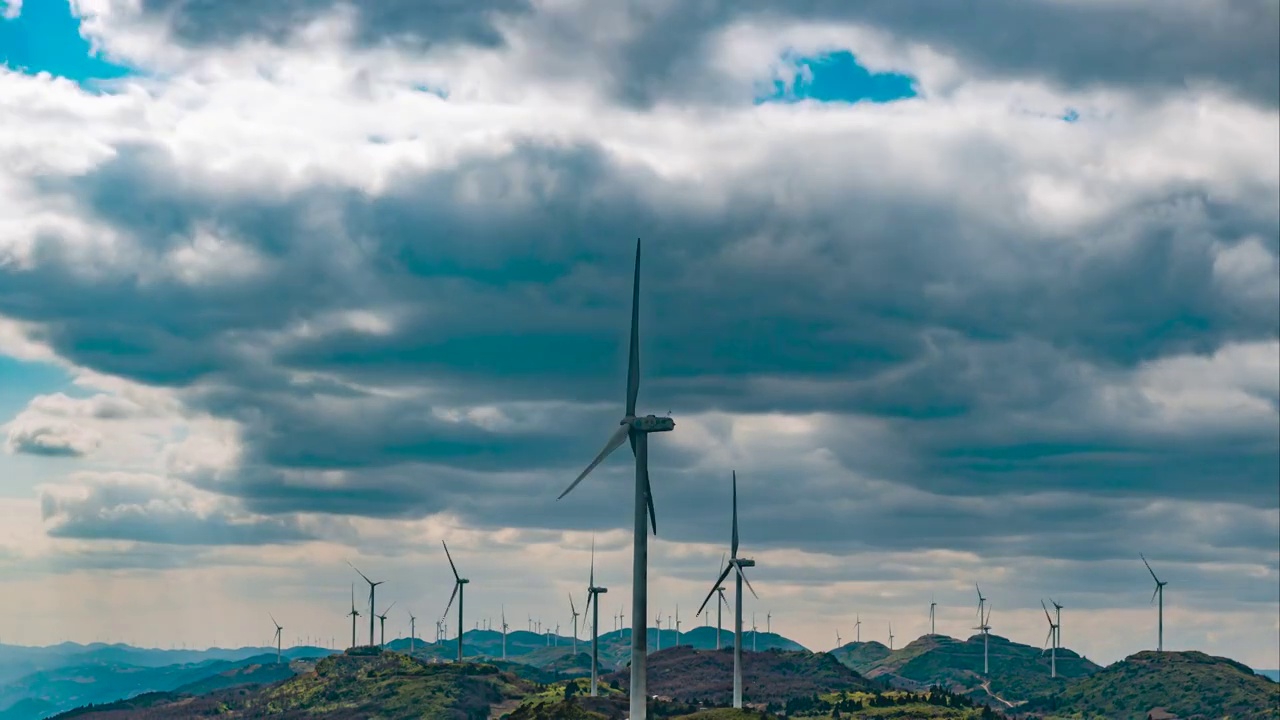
{"x":570,"y":689}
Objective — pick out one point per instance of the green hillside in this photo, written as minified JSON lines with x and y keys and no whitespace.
{"x":1017,"y":672}
{"x":860,"y":655}
{"x":1191,"y":685}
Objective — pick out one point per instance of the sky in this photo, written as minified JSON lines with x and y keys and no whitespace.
{"x":964,"y":293}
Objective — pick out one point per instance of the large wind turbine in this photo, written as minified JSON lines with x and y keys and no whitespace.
{"x":1052,"y":636}
{"x":458,"y":582}
{"x":593,"y":606}
{"x":354,"y":614}
{"x":735,"y":563}
{"x":1159,"y":591}
{"x":636,"y":429}
{"x":279,"y":630}
{"x":372,"y":585}
{"x":382,"y":624}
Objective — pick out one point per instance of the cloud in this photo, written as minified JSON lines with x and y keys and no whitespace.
{"x":329,"y":286}
{"x":117,"y":506}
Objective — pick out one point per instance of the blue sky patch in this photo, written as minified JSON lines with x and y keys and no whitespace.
{"x":838,"y":77}
{"x":45,"y":37}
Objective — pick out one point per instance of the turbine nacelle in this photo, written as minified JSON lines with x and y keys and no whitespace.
{"x":649,"y":423}
{"x":743,"y":562}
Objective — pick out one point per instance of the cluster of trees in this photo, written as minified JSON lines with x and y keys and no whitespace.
{"x":814,"y":705}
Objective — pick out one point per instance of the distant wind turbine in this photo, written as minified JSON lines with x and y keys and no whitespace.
{"x":735,"y":564}
{"x":574,"y":612}
{"x":657,"y":621}
{"x":382,"y":625}
{"x":413,"y":631}
{"x":857,"y":628}
{"x":768,"y":623}
{"x":1057,"y":610}
{"x":985,"y":628}
{"x":504,"y":632}
{"x":353,"y":614}
{"x":372,"y":586}
{"x":1051,"y":637}
{"x":458,"y":583}
{"x":754,"y":632}
{"x":838,"y":644}
{"x":677,"y":625}
{"x":277,"y":638}
{"x":637,"y":430}
{"x":932,"y":615}
{"x":891,"y":635}
{"x":593,"y":606}
{"x":1159,"y":591}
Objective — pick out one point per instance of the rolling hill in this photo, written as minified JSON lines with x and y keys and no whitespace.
{"x":1018,"y":672}
{"x":388,"y":686}
{"x":690,"y":675}
{"x":1191,"y":685}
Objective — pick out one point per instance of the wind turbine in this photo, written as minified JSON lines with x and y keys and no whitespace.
{"x":768,"y":623}
{"x":372,"y":585}
{"x":677,"y":626}
{"x":754,"y":632}
{"x":1052,"y":636}
{"x":720,"y":605}
{"x":735,"y":564}
{"x":981,"y":602}
{"x":637,"y":430}
{"x":458,"y":583}
{"x":413,"y":631}
{"x":985,"y":627}
{"x":838,"y":645}
{"x":657,"y":621}
{"x":382,"y":624}
{"x":574,"y":611}
{"x":1057,"y":610}
{"x":353,"y":614}
{"x":277,"y":638}
{"x":1159,"y":591}
{"x":932,"y":616}
{"x":857,"y":628}
{"x":890,"y":634}
{"x":593,"y":606}
{"x":504,"y":632}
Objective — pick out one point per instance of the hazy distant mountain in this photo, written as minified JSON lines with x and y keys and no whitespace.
{"x":1187,"y":684}
{"x":19,"y":660}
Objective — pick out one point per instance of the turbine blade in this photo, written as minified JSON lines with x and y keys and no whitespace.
{"x":733,"y":545}
{"x":587,"y":609}
{"x":614,"y":442}
{"x":592,"y":582}
{"x":573,"y":610}
{"x":648,"y":499}
{"x":726,"y":602}
{"x":633,"y":361}
{"x":451,"y":597}
{"x":451,"y":565}
{"x":1153,"y":572}
{"x":1046,"y":613}
{"x":748,"y":582}
{"x":1153,"y":594}
{"x":1045,"y":647}
{"x":366,"y":577}
{"x":384,"y":612}
{"x":714,"y":588}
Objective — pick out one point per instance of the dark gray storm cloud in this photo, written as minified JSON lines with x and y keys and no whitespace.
{"x":976,"y":366}
{"x":1148,"y":45}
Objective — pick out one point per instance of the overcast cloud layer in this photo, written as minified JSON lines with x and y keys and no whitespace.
{"x":339,"y":283}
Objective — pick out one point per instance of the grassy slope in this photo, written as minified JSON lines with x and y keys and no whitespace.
{"x":1188,"y":684}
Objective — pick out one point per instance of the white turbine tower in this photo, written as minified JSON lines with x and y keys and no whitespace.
{"x":636,"y":429}
{"x":1051,"y":637}
{"x":677,"y":625}
{"x":754,"y":632}
{"x":504,"y":632}
{"x":1159,"y":591}
{"x":891,"y":635}
{"x":657,"y":622}
{"x":382,"y":626}
{"x":458,"y":583}
{"x":735,"y":564}
{"x":932,"y":617}
{"x":574,"y":611}
{"x":277,"y":638}
{"x":593,"y":606}
{"x":857,"y":628}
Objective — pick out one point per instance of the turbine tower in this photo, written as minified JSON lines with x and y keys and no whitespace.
{"x":382,"y":625}
{"x":372,"y":586}
{"x":657,"y":621}
{"x":353,"y":614}
{"x":1057,"y":610}
{"x":932,"y":617}
{"x":838,"y":638}
{"x":637,"y":430}
{"x":768,"y":623}
{"x":754,"y":632}
{"x":593,"y":606}
{"x":1052,"y":636}
{"x":574,"y":611}
{"x":1159,"y":591}
{"x":413,"y":631}
{"x":890,"y":634}
{"x":857,"y":628}
{"x":677,"y":625}
{"x":985,"y":628}
{"x":279,"y":630}
{"x":504,"y":632}
{"x":458,"y":583}
{"x":735,"y":564}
